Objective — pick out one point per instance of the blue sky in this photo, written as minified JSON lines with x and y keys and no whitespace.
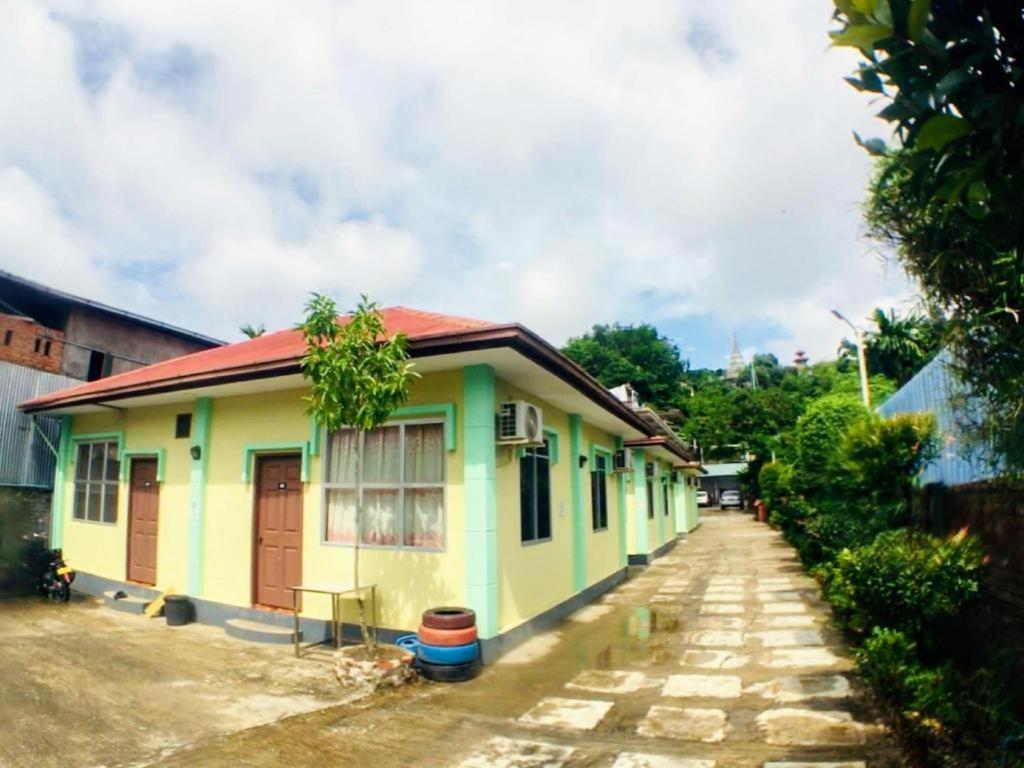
{"x":683,"y":164}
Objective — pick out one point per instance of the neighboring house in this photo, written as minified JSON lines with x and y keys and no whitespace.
{"x":205,"y":474}
{"x":721,"y":477}
{"x":50,"y":340}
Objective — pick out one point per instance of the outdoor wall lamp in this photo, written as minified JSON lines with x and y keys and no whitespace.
{"x":195,"y":452}
{"x":583,"y":461}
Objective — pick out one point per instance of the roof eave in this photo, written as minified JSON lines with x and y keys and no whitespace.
{"x":515,"y":336}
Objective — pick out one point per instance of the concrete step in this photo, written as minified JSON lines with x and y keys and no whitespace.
{"x":129,"y":604}
{"x":259,"y":632}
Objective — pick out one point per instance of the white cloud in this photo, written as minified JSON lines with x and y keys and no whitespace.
{"x":557,"y":164}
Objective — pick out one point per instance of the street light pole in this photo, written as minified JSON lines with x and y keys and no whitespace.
{"x":862,"y":360}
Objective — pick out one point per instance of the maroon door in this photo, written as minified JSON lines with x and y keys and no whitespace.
{"x":278,"y":563}
{"x":143,"y":507}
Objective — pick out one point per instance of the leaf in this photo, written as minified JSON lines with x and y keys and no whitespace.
{"x":953,"y":82}
{"x":867,"y":7}
{"x":940,"y":130}
{"x":863,"y":36}
{"x":883,"y":13}
{"x":917,"y":18}
{"x":874,"y":146}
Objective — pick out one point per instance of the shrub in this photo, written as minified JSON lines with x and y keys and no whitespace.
{"x":885,"y":455}
{"x":776,"y":481}
{"x":908,"y":581}
{"x":888,"y":662}
{"x":819,"y":433}
{"x":952,"y":717}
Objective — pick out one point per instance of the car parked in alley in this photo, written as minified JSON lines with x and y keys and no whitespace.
{"x":702,"y":499}
{"x":730,"y":499}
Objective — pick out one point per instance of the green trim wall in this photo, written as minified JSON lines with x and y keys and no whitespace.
{"x":158,"y":453}
{"x":620,"y":478}
{"x":59,"y":481}
{"x":250,"y":450}
{"x":579,"y":554}
{"x":198,"y":471}
{"x":479,"y":479}
{"x":553,"y":451}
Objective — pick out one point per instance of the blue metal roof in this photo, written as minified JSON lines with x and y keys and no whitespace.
{"x":930,"y":391}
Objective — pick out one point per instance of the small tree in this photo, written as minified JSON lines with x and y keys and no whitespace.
{"x":358,"y":377}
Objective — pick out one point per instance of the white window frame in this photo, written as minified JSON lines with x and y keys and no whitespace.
{"x":103,"y":482}
{"x":400,"y":486}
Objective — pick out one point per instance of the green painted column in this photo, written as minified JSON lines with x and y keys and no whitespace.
{"x":579,"y":554}
{"x":679,"y":497}
{"x":659,"y":502}
{"x":197,"y":476}
{"x":479,"y":481}
{"x":620,"y":485}
{"x":60,"y":477}
{"x":640,"y":501}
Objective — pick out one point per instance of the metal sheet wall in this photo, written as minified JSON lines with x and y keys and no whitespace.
{"x":929,"y":392}
{"x":25,"y":459}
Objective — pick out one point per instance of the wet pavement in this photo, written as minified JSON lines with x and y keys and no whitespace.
{"x":719,"y":654}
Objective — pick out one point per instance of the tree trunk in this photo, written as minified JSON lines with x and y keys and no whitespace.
{"x":359,"y":537}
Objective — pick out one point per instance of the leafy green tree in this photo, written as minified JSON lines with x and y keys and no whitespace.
{"x":631,"y":354}
{"x":948,"y":198}
{"x":887,"y":454}
{"x":358,"y":376}
{"x":898,"y":347}
{"x":819,"y":432}
{"x":252,"y":331}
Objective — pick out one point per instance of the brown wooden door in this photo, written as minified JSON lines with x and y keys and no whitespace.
{"x":278,"y":563}
{"x":143,"y":512}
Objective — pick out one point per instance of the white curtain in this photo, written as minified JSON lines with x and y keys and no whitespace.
{"x":342,"y":465}
{"x":422,"y":514}
{"x":381,"y":458}
{"x":424,"y":453}
{"x":424,"y":517}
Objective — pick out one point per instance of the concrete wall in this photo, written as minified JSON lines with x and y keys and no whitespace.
{"x":131,"y":345}
{"x":536,"y":576}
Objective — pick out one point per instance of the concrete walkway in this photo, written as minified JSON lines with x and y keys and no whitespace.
{"x":717,"y":655}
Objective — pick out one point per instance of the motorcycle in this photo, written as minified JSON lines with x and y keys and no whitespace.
{"x":56,"y":582}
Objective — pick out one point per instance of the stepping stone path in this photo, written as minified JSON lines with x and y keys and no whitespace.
{"x":718,"y":654}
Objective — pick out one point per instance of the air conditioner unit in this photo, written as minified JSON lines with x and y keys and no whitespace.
{"x":622,"y":461}
{"x":650,"y":469}
{"x":520,"y":423}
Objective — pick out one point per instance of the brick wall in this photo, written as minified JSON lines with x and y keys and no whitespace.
{"x":996,"y":513}
{"x":22,"y":342}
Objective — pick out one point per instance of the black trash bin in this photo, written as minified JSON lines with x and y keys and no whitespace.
{"x":177,"y":610}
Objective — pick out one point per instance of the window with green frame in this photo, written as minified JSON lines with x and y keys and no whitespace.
{"x":599,"y":493}
{"x":97,"y":470}
{"x":535,"y":494}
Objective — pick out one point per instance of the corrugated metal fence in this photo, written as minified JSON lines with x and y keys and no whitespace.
{"x":930,"y":391}
{"x":25,"y":459}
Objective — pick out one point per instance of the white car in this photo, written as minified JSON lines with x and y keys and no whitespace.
{"x":702,"y":499}
{"x":730,"y":499}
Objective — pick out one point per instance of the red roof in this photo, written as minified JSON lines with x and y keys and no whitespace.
{"x":284,"y":347}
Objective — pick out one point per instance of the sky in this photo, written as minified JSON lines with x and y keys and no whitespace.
{"x":686,"y":164}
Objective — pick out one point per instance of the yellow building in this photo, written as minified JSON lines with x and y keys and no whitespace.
{"x":511,"y":482}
